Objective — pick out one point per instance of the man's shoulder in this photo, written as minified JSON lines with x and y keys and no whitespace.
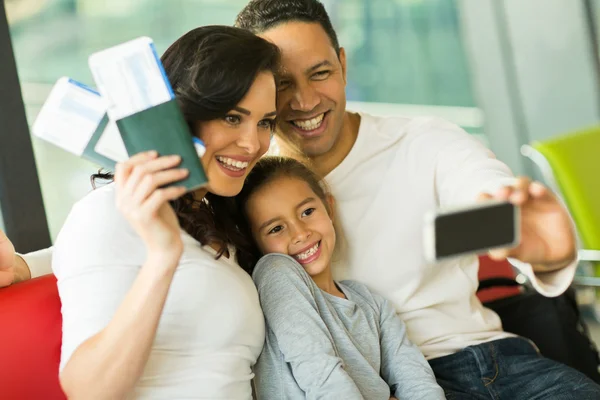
{"x":397,"y":125}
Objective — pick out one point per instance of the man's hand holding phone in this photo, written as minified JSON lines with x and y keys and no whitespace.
{"x":547,"y":233}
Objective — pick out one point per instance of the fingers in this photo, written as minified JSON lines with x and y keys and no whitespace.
{"x":3,"y":237}
{"x":150,"y":182}
{"x":499,"y":254}
{"x":538,"y":191}
{"x":142,"y":175}
{"x":517,"y":194}
{"x":123,"y":169}
{"x":148,"y":167}
{"x":6,"y":278}
{"x":159,"y":197}
{"x":484,"y":197}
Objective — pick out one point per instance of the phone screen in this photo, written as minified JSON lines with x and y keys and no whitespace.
{"x":473,"y":230}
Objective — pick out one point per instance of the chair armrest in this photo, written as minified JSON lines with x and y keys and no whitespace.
{"x":589,"y":255}
{"x":586,"y":281}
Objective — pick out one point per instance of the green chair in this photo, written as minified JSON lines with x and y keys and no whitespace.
{"x":570,"y":165}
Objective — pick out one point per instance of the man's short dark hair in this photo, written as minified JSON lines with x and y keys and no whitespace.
{"x":261,"y":15}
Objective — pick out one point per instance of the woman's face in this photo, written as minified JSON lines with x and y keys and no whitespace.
{"x":235,"y":143}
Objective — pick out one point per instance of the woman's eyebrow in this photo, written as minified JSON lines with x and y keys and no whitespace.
{"x":242,"y":110}
{"x":248,"y":112}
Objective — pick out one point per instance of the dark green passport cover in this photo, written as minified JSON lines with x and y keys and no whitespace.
{"x":163,"y":128}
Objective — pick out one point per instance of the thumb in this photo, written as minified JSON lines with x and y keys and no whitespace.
{"x":484,"y":196}
{"x":7,"y":252}
{"x":499,"y":254}
{"x":6,"y":278}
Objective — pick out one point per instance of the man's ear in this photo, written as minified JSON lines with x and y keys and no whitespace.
{"x":342,"y":58}
{"x":330,"y":206}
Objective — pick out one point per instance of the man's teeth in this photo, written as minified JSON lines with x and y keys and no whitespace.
{"x":232,"y":164}
{"x":308,"y":253}
{"x":311,"y":124}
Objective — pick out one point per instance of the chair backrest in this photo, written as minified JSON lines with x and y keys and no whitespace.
{"x":30,"y":339}
{"x":575,"y":162}
{"x":490,"y":269}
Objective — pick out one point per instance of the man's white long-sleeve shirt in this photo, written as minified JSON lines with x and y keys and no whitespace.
{"x":399,"y":169}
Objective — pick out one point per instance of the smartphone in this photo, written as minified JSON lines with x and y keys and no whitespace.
{"x":471,"y":230}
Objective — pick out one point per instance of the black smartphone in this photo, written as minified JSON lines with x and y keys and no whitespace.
{"x":471,"y":230}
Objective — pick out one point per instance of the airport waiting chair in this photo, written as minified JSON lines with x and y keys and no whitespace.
{"x":570,"y":165}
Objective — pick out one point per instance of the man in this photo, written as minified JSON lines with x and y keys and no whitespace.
{"x":385,"y":173}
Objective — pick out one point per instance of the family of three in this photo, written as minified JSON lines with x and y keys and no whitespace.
{"x":273,"y":276}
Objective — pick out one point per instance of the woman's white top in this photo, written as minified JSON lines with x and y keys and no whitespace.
{"x":211,"y":331}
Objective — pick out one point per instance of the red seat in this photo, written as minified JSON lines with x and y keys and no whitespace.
{"x":489,"y":268}
{"x":30,"y":338}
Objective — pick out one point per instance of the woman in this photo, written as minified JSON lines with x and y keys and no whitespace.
{"x":153,"y":301}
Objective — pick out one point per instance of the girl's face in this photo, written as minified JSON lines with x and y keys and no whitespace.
{"x":235,"y":143}
{"x":286,"y":216}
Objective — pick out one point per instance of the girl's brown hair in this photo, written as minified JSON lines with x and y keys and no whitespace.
{"x":264,"y":172}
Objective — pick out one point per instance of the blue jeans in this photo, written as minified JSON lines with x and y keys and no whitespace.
{"x":510,"y":369}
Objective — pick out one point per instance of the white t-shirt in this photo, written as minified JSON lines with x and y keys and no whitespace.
{"x":211,"y":331}
{"x":398,"y":169}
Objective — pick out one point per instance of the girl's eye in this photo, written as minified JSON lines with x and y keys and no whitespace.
{"x":276,"y":229}
{"x":308,"y":212}
{"x":267,"y":124}
{"x":321,"y":75}
{"x":232,"y":119}
{"x":283,"y":84}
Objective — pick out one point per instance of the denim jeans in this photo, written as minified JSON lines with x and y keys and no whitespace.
{"x":510,"y":369}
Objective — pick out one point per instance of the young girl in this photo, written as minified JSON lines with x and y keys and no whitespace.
{"x":325,"y":339}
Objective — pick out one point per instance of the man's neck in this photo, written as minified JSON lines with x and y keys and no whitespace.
{"x":325,"y":163}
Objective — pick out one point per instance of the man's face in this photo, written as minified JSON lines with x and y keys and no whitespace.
{"x":311,"y":98}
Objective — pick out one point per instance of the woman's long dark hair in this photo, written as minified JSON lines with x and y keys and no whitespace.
{"x":211,"y":69}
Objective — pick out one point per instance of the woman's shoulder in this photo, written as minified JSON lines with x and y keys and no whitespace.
{"x":95,"y":231}
{"x":96,"y":214}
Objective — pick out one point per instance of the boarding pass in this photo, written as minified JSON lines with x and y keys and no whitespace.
{"x":70,"y":117}
{"x":130,"y":77}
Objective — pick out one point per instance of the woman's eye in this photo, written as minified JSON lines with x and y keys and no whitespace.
{"x":232,"y":119}
{"x":276,"y":229}
{"x":321,"y":75}
{"x":267,"y":124}
{"x":308,"y":212}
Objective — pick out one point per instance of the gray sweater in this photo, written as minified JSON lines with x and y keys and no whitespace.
{"x":319,"y":346}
